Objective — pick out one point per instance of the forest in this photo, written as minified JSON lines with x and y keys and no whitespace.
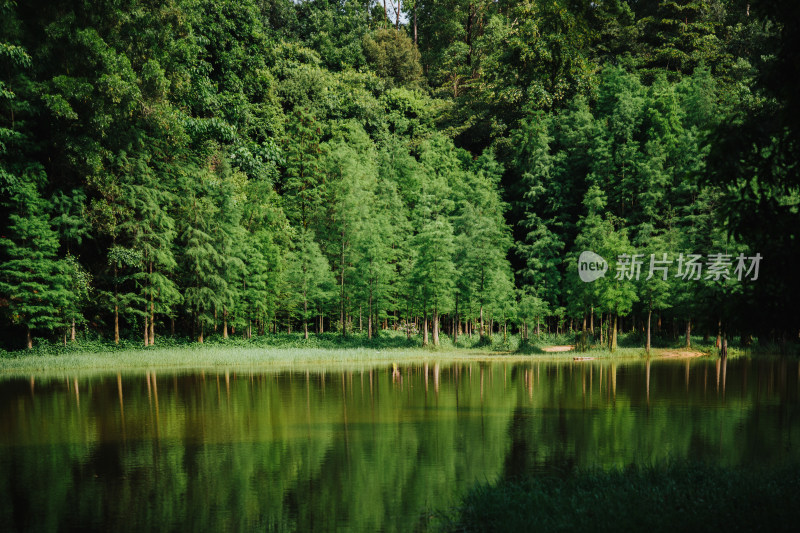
{"x":196,"y":168}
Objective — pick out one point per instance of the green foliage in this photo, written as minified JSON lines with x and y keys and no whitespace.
{"x":309,"y":276}
{"x":302,"y":188}
{"x":674,"y":495}
{"x":393,"y":56}
{"x":33,"y":281}
{"x":195,"y":156}
{"x":433,"y":272}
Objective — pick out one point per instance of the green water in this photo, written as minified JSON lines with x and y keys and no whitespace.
{"x":371,"y":449}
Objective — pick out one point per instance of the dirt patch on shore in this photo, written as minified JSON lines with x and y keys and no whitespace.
{"x":564,"y":348}
{"x":682,"y":353}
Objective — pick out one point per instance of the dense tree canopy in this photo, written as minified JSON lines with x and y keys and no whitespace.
{"x":242,"y":167}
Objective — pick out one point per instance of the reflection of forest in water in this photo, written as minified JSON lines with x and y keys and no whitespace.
{"x":372,"y":449}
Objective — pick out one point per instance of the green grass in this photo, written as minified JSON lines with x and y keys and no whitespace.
{"x":287,"y":350}
{"x":274,"y":351}
{"x":632,"y":345}
{"x":676,"y":497}
{"x":196,"y":357}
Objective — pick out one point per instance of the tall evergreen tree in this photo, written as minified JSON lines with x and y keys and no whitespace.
{"x":434,"y":272}
{"x":32,"y":280}
{"x":309,"y":276}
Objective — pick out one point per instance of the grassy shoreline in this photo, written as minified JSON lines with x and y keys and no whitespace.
{"x":205,"y":357}
{"x":293,"y":351}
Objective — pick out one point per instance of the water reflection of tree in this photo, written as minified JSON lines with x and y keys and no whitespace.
{"x":358,"y":449}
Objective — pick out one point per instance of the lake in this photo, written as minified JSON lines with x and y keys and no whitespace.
{"x":372,"y":449}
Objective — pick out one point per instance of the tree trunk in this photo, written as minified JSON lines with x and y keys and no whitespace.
{"x":72,"y":331}
{"x":591,"y":321}
{"x":415,"y":23}
{"x":116,"y":324}
{"x":614,"y":334}
{"x":481,"y":330}
{"x":689,"y":333}
{"x":397,"y":19}
{"x":202,"y":330}
{"x":601,"y":329}
{"x":649,"y":316}
{"x":305,"y":316}
{"x":425,"y":329}
{"x":468,"y":38}
{"x":152,"y":311}
{"x":28,"y":338}
{"x":435,"y":327}
{"x":116,"y":306}
{"x":719,"y":334}
{"x":152,"y":322}
{"x":224,"y":323}
{"x":584,"y":344}
{"x":369,"y":320}
{"x":146,"y":329}
{"x":456,"y":320}
{"x":341,"y":281}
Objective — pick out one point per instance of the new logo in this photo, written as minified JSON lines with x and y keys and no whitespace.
{"x":591,"y":266}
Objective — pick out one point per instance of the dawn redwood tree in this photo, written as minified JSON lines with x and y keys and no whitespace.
{"x":302,"y":180}
{"x":351,"y":170}
{"x":593,"y":229}
{"x":79,"y":284}
{"x":434,"y":272}
{"x":202,"y":261}
{"x":32,"y":279}
{"x":260,"y":273}
{"x":375,"y":251}
{"x":484,"y":239}
{"x":150,"y":232}
{"x":228,"y":236}
{"x":123,"y":264}
{"x":655,"y":292}
{"x":617,"y":294}
{"x":541,"y":247}
{"x":309,"y":276}
{"x":531,"y":310}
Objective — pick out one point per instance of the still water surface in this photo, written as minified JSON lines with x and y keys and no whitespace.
{"x":367,"y":449}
